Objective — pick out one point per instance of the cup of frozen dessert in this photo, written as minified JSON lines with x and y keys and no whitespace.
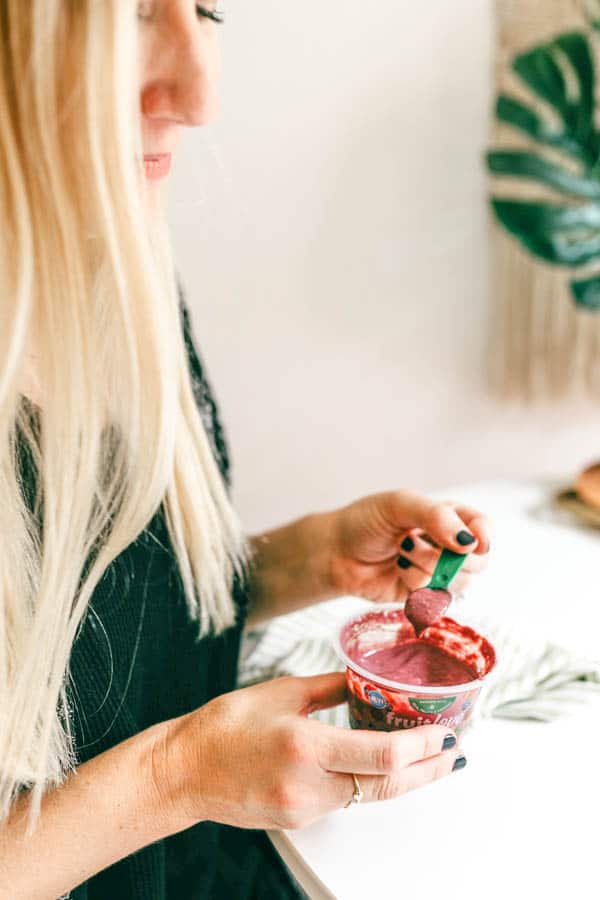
{"x":396,"y":680}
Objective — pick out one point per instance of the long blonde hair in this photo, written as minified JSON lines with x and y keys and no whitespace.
{"x":120,"y":433}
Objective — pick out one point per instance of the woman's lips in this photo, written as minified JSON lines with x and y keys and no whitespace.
{"x":157,"y":165}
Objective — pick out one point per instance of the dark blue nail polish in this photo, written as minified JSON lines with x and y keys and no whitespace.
{"x":464,"y":538}
{"x":404,"y":563}
{"x":459,"y":763}
{"x":449,"y":742}
{"x":408,"y":544}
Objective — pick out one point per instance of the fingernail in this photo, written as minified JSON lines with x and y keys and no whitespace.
{"x":459,"y":763}
{"x":404,"y":563}
{"x":464,"y":538}
{"x":408,"y":544}
{"x":449,"y":742}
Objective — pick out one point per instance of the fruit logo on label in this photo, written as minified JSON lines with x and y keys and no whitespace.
{"x":377,"y":700}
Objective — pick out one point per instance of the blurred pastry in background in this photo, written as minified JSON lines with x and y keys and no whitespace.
{"x":587,"y":486}
{"x":583,"y":499}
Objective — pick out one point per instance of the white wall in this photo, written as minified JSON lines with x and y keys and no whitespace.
{"x":331,"y":232}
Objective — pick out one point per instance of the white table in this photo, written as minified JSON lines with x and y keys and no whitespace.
{"x":523,"y":819}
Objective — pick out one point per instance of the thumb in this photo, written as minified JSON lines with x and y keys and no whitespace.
{"x":323,"y":691}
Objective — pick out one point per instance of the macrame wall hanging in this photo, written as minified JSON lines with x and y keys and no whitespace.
{"x":546,"y":343}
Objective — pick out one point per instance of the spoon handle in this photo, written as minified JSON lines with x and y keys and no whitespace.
{"x":448,"y":565}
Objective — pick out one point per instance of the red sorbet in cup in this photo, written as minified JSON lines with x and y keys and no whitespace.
{"x":396,"y":681}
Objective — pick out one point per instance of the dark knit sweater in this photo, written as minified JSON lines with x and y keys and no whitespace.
{"x":136,"y":661}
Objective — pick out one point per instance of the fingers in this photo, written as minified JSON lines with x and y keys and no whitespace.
{"x":320,"y":691}
{"x":418,"y":559}
{"x":419,"y":552}
{"x":302,"y":694}
{"x":376,"y":753}
{"x":385,"y":787}
{"x":413,"y":577}
{"x":478,"y":525}
{"x":442,"y":521}
{"x":425,"y":556}
{"x":448,"y":529}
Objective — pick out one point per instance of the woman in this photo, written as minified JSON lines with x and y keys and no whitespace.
{"x":130,"y":767}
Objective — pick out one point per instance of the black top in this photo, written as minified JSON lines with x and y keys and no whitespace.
{"x":137,"y":660}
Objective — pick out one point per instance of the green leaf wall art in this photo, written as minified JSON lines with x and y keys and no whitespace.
{"x":544,"y":169}
{"x":567,"y":234}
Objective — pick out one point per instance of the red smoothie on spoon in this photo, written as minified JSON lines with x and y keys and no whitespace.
{"x":425,"y":607}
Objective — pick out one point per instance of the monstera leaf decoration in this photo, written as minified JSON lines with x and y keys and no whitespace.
{"x":562,"y":75}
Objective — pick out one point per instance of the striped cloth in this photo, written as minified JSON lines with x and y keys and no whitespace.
{"x":533,"y":678}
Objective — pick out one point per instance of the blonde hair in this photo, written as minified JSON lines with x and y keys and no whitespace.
{"x":120,"y":432}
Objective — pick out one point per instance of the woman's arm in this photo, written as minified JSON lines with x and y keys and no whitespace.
{"x":380,"y":547}
{"x":107,"y":808}
{"x":250,"y":758}
{"x":290,"y":568}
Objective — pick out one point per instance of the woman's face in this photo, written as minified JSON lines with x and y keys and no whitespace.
{"x":180,"y":66}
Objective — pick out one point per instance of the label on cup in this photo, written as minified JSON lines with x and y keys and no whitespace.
{"x":435,"y":705}
{"x":380,"y":708}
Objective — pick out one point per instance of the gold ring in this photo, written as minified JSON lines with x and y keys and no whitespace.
{"x":357,"y":795}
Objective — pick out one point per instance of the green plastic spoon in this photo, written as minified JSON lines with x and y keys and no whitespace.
{"x":426,"y":605}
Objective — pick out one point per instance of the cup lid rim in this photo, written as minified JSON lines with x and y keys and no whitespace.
{"x":444,"y":689}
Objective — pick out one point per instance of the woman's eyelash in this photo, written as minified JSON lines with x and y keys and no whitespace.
{"x":210,"y":14}
{"x":201,"y":12}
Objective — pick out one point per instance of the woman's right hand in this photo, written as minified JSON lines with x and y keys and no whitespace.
{"x":251,"y":758}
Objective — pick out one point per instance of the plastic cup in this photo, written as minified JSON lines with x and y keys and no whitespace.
{"x":384,"y":705}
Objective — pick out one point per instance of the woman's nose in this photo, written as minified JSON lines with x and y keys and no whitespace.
{"x":181,"y":75}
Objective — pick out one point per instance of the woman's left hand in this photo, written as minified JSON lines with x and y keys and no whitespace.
{"x":387,"y":545}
